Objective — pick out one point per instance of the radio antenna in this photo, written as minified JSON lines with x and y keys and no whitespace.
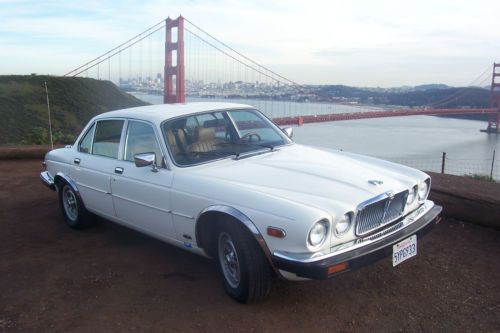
{"x":48,"y":109}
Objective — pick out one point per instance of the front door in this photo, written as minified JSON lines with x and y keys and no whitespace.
{"x":142,"y":195}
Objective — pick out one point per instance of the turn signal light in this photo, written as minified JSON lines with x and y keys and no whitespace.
{"x":338,"y":268}
{"x":276,"y":232}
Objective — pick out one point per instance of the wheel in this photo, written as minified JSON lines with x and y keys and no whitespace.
{"x":73,"y":210}
{"x":249,"y":136}
{"x":243,"y":267}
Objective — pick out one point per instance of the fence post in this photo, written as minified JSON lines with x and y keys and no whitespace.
{"x":492,"y":164}
{"x":443,"y":163}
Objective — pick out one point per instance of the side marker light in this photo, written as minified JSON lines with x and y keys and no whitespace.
{"x":276,"y":232}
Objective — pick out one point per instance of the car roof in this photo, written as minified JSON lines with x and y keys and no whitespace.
{"x":160,"y":112}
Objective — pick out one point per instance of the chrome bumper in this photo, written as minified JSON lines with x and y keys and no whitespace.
{"x":361,"y":252}
{"x":47,"y":180}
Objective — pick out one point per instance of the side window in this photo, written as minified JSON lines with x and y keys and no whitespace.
{"x":202,"y":118}
{"x":107,"y":138}
{"x":141,"y":138}
{"x":85,"y":145}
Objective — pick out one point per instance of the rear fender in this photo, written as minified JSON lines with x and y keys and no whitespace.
{"x":62,"y":177}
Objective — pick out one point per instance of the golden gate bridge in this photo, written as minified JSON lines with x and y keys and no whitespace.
{"x":178,"y":59}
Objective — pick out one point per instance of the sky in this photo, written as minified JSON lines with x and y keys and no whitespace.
{"x":383,"y":43}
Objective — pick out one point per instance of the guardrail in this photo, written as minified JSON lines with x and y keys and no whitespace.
{"x":485,"y":169}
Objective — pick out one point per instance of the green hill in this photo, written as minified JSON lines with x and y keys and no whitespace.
{"x":73,"y":102}
{"x":419,"y":96}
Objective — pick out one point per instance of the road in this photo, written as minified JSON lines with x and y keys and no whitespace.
{"x":109,"y":278}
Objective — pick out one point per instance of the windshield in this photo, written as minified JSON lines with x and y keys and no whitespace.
{"x":213,"y":135}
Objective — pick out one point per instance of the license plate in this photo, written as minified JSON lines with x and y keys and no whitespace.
{"x":404,"y":250}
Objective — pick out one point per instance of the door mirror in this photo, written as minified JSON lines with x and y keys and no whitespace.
{"x":145,"y":159}
{"x":288,"y":131}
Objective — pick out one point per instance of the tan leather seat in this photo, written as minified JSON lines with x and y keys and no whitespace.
{"x":181,"y":139}
{"x":204,"y":140}
{"x":172,"y":142}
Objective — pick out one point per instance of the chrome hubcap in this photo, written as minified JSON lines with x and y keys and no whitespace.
{"x":70,"y":204}
{"x":228,"y":259}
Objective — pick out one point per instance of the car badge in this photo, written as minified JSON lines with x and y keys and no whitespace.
{"x":375,"y":182}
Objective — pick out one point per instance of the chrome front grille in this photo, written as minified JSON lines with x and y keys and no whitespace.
{"x":380,"y":211}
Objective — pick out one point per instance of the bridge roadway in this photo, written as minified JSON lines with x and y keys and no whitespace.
{"x":299,"y":120}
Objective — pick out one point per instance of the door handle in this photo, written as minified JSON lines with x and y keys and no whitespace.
{"x":119,"y":170}
{"x":76,"y":161}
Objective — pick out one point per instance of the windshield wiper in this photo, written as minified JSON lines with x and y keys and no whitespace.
{"x":217,"y":153}
{"x":264,"y":145}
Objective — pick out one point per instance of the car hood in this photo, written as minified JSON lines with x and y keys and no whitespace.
{"x":326,"y":179}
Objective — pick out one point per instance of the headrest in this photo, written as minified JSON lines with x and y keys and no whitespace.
{"x":171,"y":137}
{"x":180,"y":133}
{"x":204,"y":134}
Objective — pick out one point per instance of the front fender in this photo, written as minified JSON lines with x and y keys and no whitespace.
{"x":242,"y":219}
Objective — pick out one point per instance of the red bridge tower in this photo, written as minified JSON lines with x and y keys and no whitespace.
{"x":174,"y":72}
{"x":494,"y":121}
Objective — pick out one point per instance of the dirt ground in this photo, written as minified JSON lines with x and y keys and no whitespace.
{"x":109,"y":278}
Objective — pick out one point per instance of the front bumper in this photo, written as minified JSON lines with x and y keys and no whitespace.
{"x":47,"y":180}
{"x":312,"y":268}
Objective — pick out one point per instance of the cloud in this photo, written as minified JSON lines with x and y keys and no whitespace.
{"x":338,"y":36}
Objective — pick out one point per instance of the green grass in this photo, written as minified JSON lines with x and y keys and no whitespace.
{"x":73,"y":102}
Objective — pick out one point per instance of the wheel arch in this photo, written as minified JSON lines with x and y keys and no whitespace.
{"x":212,"y":215}
{"x":59,"y":177}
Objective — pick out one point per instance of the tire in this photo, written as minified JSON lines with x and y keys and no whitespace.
{"x":74,"y":212}
{"x":245,"y":271}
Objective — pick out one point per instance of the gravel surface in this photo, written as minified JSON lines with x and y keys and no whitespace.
{"x":109,"y":278}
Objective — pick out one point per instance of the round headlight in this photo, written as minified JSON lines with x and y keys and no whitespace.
{"x":412,"y":194}
{"x":423,"y":188}
{"x":318,"y":233}
{"x":343,"y":224}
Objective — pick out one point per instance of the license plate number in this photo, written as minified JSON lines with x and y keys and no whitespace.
{"x":404,"y":250}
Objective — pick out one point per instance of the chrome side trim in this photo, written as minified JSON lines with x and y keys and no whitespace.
{"x":245,"y":220}
{"x":143,"y":204}
{"x":47,"y":180}
{"x":183,"y":215}
{"x":360,"y":242}
{"x":93,"y":188}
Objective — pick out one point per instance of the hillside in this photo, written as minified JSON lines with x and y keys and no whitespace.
{"x":424,"y":95}
{"x":73,"y":102}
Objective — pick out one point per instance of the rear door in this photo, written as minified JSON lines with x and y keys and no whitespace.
{"x":93,"y":164}
{"x":141,"y":196}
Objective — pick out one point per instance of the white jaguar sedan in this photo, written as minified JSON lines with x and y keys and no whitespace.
{"x":221,"y":180}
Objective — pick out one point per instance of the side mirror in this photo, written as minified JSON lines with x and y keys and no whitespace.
{"x":145,"y":159}
{"x":288,"y":131}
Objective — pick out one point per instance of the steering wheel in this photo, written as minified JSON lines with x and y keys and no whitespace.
{"x":250,"y":135}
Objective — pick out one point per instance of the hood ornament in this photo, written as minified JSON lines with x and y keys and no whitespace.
{"x":375,"y":182}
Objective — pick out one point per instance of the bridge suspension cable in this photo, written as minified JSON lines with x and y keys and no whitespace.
{"x":239,"y":53}
{"x":462,"y":92}
{"x":214,"y":70}
{"x":125,"y":45}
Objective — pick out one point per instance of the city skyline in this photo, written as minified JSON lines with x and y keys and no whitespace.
{"x":366,"y":44}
